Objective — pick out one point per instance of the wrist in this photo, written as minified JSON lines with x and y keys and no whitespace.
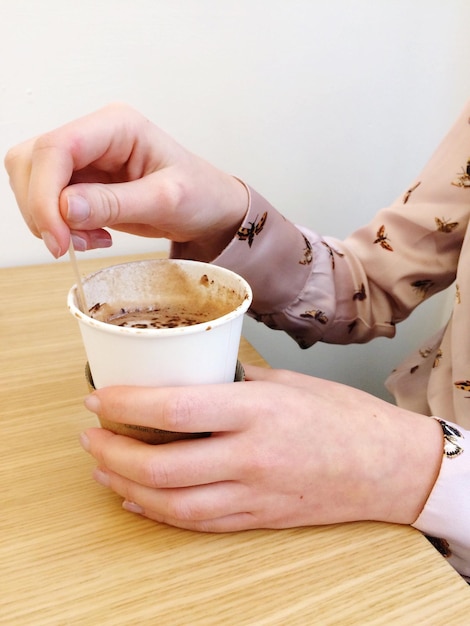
{"x":230,"y":203}
{"x":412,"y":458}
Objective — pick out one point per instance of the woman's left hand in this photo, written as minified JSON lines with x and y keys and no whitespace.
{"x":286,"y":450}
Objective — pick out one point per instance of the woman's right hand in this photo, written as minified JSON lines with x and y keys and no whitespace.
{"x":115,"y":169}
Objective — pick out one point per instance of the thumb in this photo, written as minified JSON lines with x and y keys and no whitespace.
{"x":84,"y":223}
{"x":91,"y":206}
{"x":137,"y":206}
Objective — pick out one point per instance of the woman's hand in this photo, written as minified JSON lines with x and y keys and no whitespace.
{"x":114,"y":168}
{"x":286,"y":450}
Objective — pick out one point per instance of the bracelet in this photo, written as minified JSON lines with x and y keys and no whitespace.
{"x":452,"y":439}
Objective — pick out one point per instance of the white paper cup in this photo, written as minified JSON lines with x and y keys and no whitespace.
{"x":197,"y":354}
{"x":201,"y":353}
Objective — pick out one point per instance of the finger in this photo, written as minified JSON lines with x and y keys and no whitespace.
{"x":225,"y":524}
{"x":150,"y":202}
{"x":199,"y":503}
{"x":199,"y":408}
{"x":18,"y":166}
{"x":90,"y":240}
{"x":222,"y":524}
{"x":56,"y":155}
{"x":176,"y":464}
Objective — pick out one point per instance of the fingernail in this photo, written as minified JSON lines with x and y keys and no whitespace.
{"x":92,"y":403}
{"x":103,"y":242}
{"x":101,"y":477}
{"x":79,"y":243}
{"x":85,"y":442}
{"x":132,"y":507}
{"x":78,"y":208}
{"x":51,"y":243}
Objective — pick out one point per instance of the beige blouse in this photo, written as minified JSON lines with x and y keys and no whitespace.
{"x":322,"y":289}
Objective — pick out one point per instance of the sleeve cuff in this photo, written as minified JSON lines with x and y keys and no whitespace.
{"x":271,"y":253}
{"x":445,"y":518}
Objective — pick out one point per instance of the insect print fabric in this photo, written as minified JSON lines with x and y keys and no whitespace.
{"x":253,"y":229}
{"x":320,"y":288}
{"x":452,"y":439}
{"x":353,"y":290}
{"x":463,"y":178}
{"x":382,"y":239}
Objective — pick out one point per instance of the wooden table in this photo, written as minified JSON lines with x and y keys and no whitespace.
{"x":70,"y":555}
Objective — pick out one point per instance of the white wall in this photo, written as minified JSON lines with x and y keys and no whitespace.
{"x":327,"y":107}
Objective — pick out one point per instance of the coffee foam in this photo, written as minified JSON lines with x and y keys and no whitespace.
{"x":164,"y":297}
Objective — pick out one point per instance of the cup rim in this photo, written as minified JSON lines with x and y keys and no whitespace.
{"x":160,"y":332}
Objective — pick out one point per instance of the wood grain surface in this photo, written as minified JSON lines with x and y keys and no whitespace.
{"x":70,"y":555}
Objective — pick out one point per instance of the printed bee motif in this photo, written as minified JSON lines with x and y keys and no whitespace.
{"x":425,"y":352}
{"x":317,"y":315}
{"x":410,"y":191}
{"x":332,"y":253}
{"x":463,"y":179}
{"x":437,"y":358}
{"x":308,"y":256}
{"x":422,"y":286}
{"x":360,"y":294}
{"x":444,"y":226}
{"x":383,"y":239}
{"x":254,"y":229}
{"x":452,"y":435}
{"x":464,"y":385}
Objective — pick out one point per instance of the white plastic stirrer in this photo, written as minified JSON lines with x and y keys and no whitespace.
{"x":81,"y":300}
